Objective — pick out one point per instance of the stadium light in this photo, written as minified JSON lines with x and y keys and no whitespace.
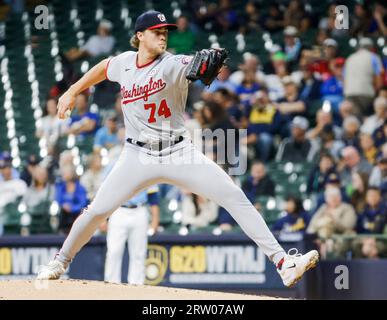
{"x":79,"y":170}
{"x":307,"y":204}
{"x":217,"y":231}
{"x":9,"y":114}
{"x":327,"y":107}
{"x":22,"y":207}
{"x":183,"y":231}
{"x":25,"y":220}
{"x":172,"y":206}
{"x":177,"y":217}
{"x":54,"y":208}
{"x":270,"y":205}
{"x":16,"y":162}
{"x":22,"y":139}
{"x":43,"y":153}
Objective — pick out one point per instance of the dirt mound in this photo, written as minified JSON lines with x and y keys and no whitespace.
{"x":98,"y":290}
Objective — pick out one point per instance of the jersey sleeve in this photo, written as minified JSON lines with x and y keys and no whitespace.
{"x":177,"y":70}
{"x":114,"y":67}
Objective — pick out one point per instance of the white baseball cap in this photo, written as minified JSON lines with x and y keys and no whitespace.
{"x":106,"y":24}
{"x":290,"y":31}
{"x":300,"y":122}
{"x":330,"y":42}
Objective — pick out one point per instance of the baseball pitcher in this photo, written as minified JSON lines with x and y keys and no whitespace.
{"x":154,"y":87}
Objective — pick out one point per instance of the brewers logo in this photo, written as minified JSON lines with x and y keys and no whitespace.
{"x":156,"y":264}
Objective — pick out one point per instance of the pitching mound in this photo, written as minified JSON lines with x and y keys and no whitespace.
{"x":98,"y":290}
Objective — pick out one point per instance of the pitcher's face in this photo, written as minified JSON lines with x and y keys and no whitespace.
{"x":155,"y":40}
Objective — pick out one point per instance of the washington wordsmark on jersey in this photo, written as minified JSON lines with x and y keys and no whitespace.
{"x":153,"y":96}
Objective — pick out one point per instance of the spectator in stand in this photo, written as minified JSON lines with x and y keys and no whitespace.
{"x":182,"y":41}
{"x":10,"y":188}
{"x":248,"y":87}
{"x":328,"y":23}
{"x":323,"y":118}
{"x":293,"y":218}
{"x":197,"y":211}
{"x":310,"y":85}
{"x":332,"y":88}
{"x":297,"y":148}
{"x":274,"y":81}
{"x":334,"y":217}
{"x":346,"y":109}
{"x":101,"y":44}
{"x":71,"y":197}
{"x":377,"y":119}
{"x":250,"y":20}
{"x":318,"y":176}
{"x":230,"y":102}
{"x":83,"y":123}
{"x":329,"y":53}
{"x":215,"y":117}
{"x":26,"y":173}
{"x":263,"y":123}
{"x":351,"y":126}
{"x":327,"y":142}
{"x":374,"y":217}
{"x":225,"y":17}
{"x":333,"y":181}
{"x":383,"y":92}
{"x":274,"y":20}
{"x":354,"y":175}
{"x":380,"y":135}
{"x":250,"y":63}
{"x":258,"y":183}
{"x":380,"y":16}
{"x":6,"y":156}
{"x":363,"y":23}
{"x":371,"y":248}
{"x":51,"y":127}
{"x":368,"y":149}
{"x":295,"y":15}
{"x":362,"y":77}
{"x":92,"y":179}
{"x":40,"y":190}
{"x":292,"y":45}
{"x":106,"y":137}
{"x":291,"y":105}
{"x":221,"y":16}
{"x":353,"y":163}
{"x":378,"y":177}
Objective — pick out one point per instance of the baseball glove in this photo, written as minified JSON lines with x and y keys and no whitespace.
{"x":206,"y":65}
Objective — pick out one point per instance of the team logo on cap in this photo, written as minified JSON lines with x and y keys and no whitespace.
{"x":161,"y":17}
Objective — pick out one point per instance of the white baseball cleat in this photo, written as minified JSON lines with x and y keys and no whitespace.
{"x":52,"y":271}
{"x":295,"y":265}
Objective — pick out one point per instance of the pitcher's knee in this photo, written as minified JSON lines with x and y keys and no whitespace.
{"x":100,"y":213}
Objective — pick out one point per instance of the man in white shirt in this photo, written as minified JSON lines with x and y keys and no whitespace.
{"x":377,"y":119}
{"x":10,"y":188}
{"x":100,"y":44}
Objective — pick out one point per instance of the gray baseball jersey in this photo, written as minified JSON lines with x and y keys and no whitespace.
{"x":153,"y":95}
{"x":153,"y":99}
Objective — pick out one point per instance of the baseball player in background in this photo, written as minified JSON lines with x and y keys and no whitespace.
{"x":154,"y":86}
{"x":129,"y":224}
